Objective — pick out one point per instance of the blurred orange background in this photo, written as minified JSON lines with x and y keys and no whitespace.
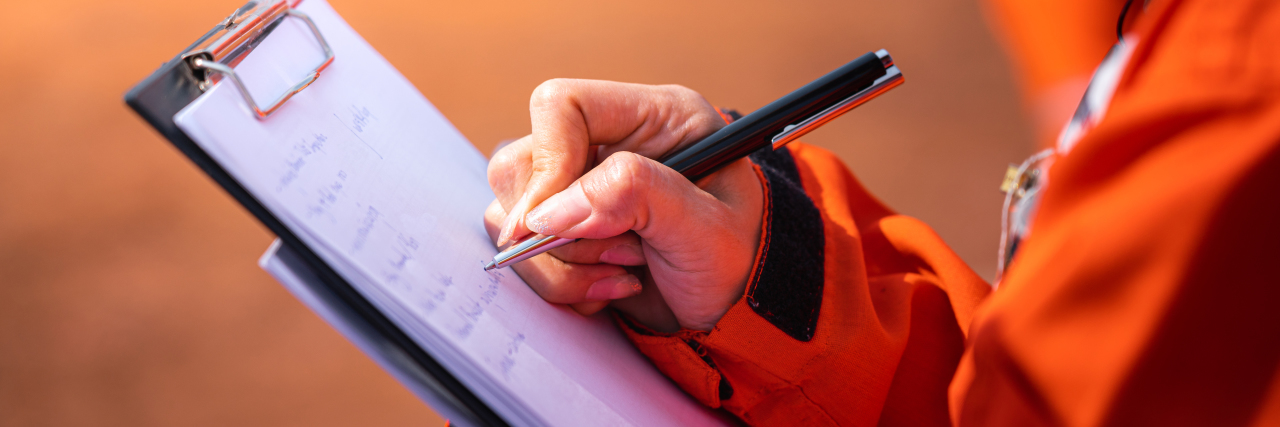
{"x":129,"y":290}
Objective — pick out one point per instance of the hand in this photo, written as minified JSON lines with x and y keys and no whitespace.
{"x":665,"y":251}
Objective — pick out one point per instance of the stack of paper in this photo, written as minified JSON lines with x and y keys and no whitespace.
{"x":375,"y":180}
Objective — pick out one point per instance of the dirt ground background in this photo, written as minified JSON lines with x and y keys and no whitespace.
{"x":129,"y":292}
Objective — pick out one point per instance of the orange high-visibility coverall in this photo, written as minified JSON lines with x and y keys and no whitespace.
{"x":1054,"y":47}
{"x":1142,"y":295}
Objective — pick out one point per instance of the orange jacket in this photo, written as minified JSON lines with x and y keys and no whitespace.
{"x":1142,"y":295}
{"x":1054,"y":47}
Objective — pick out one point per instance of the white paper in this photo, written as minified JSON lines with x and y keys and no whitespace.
{"x":296,"y":277}
{"x":373,"y":178}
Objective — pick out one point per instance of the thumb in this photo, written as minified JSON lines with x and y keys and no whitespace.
{"x":699,"y":248}
{"x":628,"y":192}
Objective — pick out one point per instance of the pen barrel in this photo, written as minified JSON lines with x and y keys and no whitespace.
{"x":756,"y":130}
{"x":528,"y":248}
{"x":783,"y":120}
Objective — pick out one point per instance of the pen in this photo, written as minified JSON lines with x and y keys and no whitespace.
{"x":776,"y":124}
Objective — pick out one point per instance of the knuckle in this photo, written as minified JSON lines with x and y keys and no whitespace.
{"x":626,"y":179}
{"x":494,"y":212}
{"x":628,"y":172}
{"x":682,"y":92}
{"x":499,"y":163}
{"x":691,"y":112}
{"x":686,"y":96}
{"x":551,"y":92}
{"x":505,"y":176}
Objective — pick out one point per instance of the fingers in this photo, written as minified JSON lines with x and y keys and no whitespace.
{"x":510,"y":167}
{"x":493,"y":217}
{"x":627,"y":192}
{"x":623,"y":249}
{"x":563,"y":282}
{"x":679,"y":116}
{"x":689,"y":232}
{"x":589,"y":308}
{"x":509,"y":171}
{"x":569,"y":116}
{"x":500,"y":145}
{"x":649,"y":308}
{"x":698,"y":246}
{"x":560,"y":282}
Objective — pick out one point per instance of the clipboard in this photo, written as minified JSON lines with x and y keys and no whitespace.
{"x":181,"y":81}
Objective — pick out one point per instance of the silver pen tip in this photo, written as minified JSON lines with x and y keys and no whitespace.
{"x":490,"y":266}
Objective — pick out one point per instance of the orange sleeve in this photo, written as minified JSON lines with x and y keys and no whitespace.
{"x":1143,"y":294}
{"x":854,"y":314}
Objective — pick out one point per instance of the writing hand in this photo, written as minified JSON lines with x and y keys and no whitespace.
{"x":665,"y":251}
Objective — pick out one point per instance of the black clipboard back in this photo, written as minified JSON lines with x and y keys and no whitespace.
{"x":178,"y":83}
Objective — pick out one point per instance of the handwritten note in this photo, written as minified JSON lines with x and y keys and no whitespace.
{"x":378,"y":183}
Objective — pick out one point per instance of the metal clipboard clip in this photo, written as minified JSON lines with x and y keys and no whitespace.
{"x":232,"y":39}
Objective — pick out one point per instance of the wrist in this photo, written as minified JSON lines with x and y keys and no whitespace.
{"x":759,"y":247}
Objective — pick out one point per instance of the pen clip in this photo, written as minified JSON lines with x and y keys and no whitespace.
{"x":891,"y":79}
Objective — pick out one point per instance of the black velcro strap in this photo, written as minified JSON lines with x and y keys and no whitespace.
{"x":788,"y":288}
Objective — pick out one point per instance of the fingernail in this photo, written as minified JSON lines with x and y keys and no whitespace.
{"x":625,"y":254}
{"x":559,"y":212}
{"x":614,"y":287}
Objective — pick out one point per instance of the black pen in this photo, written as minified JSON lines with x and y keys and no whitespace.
{"x":776,"y":124}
